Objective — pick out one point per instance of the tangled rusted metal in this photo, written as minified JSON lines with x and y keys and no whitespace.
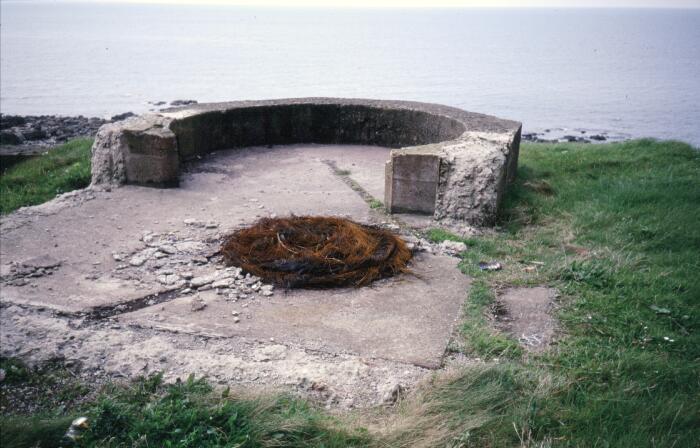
{"x":316,"y":252}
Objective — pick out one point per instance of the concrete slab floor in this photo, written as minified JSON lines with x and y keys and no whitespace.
{"x":134,"y":249}
{"x":230,"y":189}
{"x":407,"y":318}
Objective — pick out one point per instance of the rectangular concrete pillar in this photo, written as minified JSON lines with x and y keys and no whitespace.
{"x":152,"y":158}
{"x":411,"y":182}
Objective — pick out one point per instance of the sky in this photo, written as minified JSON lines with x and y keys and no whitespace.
{"x":433,"y":3}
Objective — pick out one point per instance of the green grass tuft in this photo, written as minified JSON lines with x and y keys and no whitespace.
{"x":34,"y":432}
{"x":375,"y":203}
{"x":481,"y":340}
{"x":34,"y":181}
{"x":188,"y":413}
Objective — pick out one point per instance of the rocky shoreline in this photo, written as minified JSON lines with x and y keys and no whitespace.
{"x":45,"y":130}
{"x":23,"y":136}
{"x":563,"y":135}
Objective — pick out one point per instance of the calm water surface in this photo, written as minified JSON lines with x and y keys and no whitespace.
{"x":630,"y":72}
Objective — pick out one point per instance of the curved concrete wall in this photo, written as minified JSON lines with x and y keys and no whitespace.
{"x":310,"y":123}
{"x":444,"y":162}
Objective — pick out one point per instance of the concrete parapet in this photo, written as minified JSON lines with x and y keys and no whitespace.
{"x":447,"y":162}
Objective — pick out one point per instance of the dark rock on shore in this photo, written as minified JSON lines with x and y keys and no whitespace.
{"x":123,"y":116}
{"x":28,"y":136}
{"x":9,"y":138}
{"x":575,"y":139}
{"x":530,"y":137}
{"x":46,"y":130}
{"x":10,"y":121}
{"x":182,"y":102}
{"x":562,"y":135}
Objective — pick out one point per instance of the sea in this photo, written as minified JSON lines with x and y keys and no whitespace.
{"x":626,"y":73}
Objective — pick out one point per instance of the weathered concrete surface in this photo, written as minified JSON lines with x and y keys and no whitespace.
{"x":387,"y":320}
{"x":231,"y":189}
{"x":449,"y":163}
{"x":109,"y":348}
{"x":474,"y":172}
{"x":412,"y":182}
{"x":528,"y":316}
{"x":140,"y":151}
{"x":95,"y":255}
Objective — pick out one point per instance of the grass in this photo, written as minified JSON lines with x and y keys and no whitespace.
{"x":614,"y":228}
{"x":34,"y":181}
{"x":375,"y":204}
{"x":188,"y":413}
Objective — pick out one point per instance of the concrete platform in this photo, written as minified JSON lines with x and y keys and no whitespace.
{"x":232,"y":188}
{"x":79,"y":255}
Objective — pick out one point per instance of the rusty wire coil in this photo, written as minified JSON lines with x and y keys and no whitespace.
{"x":316,"y":252}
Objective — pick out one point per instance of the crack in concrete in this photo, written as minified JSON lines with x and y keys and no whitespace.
{"x":366,"y":196}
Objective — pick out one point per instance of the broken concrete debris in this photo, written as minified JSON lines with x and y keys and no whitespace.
{"x":176,"y":262}
{"x":202,"y":224}
{"x":393,"y":394}
{"x":197,"y":304}
{"x":17,"y":274}
{"x":141,"y":257}
{"x":452,"y":247}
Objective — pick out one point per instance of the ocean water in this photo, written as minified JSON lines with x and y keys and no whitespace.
{"x":632,"y":73}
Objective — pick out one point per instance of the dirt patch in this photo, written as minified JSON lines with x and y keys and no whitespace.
{"x":526,"y":314}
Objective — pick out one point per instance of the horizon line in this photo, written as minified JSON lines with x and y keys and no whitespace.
{"x":379,"y":4}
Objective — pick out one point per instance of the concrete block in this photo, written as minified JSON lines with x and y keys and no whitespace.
{"x":152,"y":158}
{"x":140,"y":150}
{"x":412,"y":182}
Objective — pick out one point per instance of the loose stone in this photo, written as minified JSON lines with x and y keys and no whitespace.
{"x":168,"y":279}
{"x":452,"y":247}
{"x":140,"y":258}
{"x":168,"y":249}
{"x":223,"y":283}
{"x":198,"y":282}
{"x":197,"y":304}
